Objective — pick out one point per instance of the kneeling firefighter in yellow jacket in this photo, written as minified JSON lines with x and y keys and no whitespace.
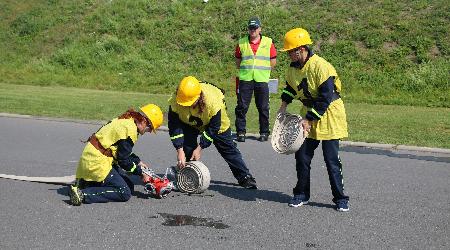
{"x":314,"y":81}
{"x":110,"y":148}
{"x":198,"y":108}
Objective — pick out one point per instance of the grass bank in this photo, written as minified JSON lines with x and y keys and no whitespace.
{"x":386,"y":52}
{"x":416,"y":126}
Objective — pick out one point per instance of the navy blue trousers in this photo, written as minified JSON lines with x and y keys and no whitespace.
{"x":303,"y":159}
{"x":116,"y":187}
{"x":244,"y":97}
{"x":224,"y":144}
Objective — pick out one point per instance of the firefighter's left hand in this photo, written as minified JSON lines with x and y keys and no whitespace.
{"x":196,"y":154}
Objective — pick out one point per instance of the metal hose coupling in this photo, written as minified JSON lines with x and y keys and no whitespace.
{"x":193,"y":178}
{"x":287,"y":134}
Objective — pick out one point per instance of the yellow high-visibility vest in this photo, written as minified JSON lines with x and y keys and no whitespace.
{"x":255,"y":66}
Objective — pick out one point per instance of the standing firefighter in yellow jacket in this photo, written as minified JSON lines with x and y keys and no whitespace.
{"x":198,"y":108}
{"x":110,"y":148}
{"x":314,"y":81}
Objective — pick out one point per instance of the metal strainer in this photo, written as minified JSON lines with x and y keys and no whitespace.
{"x":287,"y":134}
{"x":193,"y":178}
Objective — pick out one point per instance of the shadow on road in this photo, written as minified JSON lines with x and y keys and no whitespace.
{"x":231,"y":190}
{"x":317,"y":204}
{"x":373,"y":151}
{"x":234,"y":191}
{"x":63,"y":190}
{"x":247,"y":137}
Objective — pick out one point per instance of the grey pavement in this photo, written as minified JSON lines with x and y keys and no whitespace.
{"x":399,"y":198}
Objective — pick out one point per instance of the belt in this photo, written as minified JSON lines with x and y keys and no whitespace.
{"x":309,"y":102}
{"x":96,"y":143}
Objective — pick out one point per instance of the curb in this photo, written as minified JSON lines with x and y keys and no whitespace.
{"x":396,"y":147}
{"x":166,"y":129}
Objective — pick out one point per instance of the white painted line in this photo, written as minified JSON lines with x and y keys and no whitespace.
{"x":53,"y":180}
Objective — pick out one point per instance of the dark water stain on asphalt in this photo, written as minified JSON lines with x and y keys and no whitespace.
{"x":187,"y":220}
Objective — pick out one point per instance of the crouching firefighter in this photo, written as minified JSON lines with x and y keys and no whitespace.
{"x":198,"y":109}
{"x":99,"y":177}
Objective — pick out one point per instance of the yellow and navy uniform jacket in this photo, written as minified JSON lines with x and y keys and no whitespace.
{"x":318,"y":87}
{"x":212,"y":121}
{"x":119,"y":135}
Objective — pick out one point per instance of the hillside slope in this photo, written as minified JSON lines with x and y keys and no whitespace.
{"x":387,"y":52}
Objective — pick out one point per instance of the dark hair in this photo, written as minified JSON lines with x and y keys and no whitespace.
{"x":131,"y":113}
{"x":200,"y":103}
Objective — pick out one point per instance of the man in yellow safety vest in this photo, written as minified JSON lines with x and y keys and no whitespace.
{"x":255,"y":58}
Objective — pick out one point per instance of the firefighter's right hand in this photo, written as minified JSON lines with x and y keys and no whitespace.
{"x":306,"y":124}
{"x":145,"y":178}
{"x":181,"y":158}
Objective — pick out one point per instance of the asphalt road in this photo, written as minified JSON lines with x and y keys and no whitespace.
{"x":398,"y":199}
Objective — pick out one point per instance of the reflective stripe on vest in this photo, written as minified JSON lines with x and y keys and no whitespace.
{"x":255,"y":66}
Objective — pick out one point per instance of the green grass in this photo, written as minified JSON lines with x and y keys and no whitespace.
{"x":393,"y":57}
{"x":386,"y":52}
{"x":418,"y":126}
